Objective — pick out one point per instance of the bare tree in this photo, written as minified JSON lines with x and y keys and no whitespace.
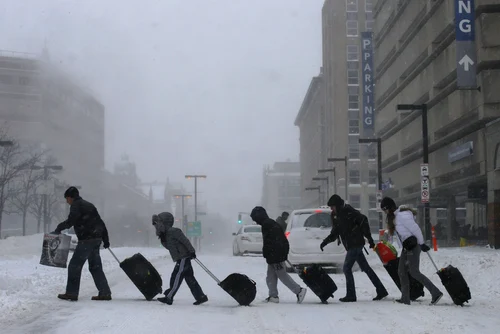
{"x":24,"y":195}
{"x":13,"y":162}
{"x":36,"y":207}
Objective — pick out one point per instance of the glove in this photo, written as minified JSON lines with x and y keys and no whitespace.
{"x":372,"y":244}
{"x":55,"y":232}
{"x":424,"y":248}
{"x":105,"y":244}
{"x":323,"y":245}
{"x":192,"y":256}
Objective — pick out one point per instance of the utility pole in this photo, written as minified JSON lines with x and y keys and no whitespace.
{"x":184,"y":222}
{"x":424,"y":168}
{"x":196,"y":177}
{"x":344,"y":159}
{"x":379,"y":170}
{"x":46,"y":168}
{"x":327,"y":185}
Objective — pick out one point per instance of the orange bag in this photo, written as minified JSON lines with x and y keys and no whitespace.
{"x":385,"y":251}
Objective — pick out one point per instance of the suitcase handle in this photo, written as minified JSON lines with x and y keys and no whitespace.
{"x":293,"y":268}
{"x":208,"y":271}
{"x":432,"y":261}
{"x":114,"y":255}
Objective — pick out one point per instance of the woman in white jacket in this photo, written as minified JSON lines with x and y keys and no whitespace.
{"x":401,"y":221}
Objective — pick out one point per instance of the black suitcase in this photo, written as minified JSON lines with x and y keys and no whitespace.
{"x":142,"y":273}
{"x":416,"y":288}
{"x":240,"y":287}
{"x":455,"y":284}
{"x":316,"y":278}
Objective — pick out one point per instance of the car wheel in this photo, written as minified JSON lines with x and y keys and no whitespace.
{"x":236,"y":251}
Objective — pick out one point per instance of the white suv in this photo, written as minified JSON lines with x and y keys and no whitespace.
{"x":305,"y":230}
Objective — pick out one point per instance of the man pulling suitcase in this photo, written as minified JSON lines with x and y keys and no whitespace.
{"x":182,"y":253}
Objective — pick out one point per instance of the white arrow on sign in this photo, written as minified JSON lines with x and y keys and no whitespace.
{"x":466,"y":62}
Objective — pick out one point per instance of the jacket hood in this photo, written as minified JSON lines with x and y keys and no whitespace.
{"x":165,"y":222}
{"x":404,"y":213}
{"x":259,"y":215}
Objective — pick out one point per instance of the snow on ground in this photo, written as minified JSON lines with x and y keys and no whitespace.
{"x":28,"y":302}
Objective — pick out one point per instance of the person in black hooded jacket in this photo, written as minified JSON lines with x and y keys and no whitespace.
{"x":352,"y":228}
{"x":275,"y":250}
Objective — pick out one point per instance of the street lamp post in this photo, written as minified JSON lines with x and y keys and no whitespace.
{"x":45,"y":195}
{"x":425,"y":143}
{"x":379,"y":169}
{"x":320,"y":171}
{"x":327,"y":184}
{"x":344,"y":159}
{"x":319,"y":193}
{"x":183,"y":215}
{"x":196,"y":177}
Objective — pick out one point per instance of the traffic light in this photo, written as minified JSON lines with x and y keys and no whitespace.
{"x":239,"y":218}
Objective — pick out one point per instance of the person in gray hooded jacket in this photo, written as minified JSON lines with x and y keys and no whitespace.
{"x":182,"y":252}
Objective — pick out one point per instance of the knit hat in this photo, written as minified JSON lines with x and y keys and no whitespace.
{"x":388,"y":204}
{"x":336,"y":201}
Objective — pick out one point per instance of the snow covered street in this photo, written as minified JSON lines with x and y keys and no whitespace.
{"x":28,"y":302}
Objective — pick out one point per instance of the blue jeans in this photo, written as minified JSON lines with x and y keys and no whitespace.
{"x":87,"y":250}
{"x":356,"y":255}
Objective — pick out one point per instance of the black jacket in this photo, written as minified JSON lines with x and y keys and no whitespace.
{"x":281,"y":222}
{"x":351,"y":226}
{"x":83,"y":216}
{"x":275,"y":246}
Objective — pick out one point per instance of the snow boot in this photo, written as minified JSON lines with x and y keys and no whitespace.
{"x":202,"y":300}
{"x":381,"y":295}
{"x":347,"y":299}
{"x":272,"y":300}
{"x":65,"y":296}
{"x":401,"y":302}
{"x":301,"y":295}
{"x":436,"y":299}
{"x":165,"y":300}
{"x":101,"y":297}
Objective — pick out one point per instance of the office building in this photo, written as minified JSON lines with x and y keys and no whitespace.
{"x":347,"y":96}
{"x":428,"y":53}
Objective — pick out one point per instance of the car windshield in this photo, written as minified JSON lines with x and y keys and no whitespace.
{"x":71,"y":231}
{"x":253,"y":229}
{"x":312,"y":219}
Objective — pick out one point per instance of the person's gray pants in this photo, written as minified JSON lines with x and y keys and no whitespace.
{"x":275,"y":271}
{"x":409,"y":262}
{"x":87,"y":250}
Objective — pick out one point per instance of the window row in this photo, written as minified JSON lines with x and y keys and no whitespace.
{"x":352,"y":6}
{"x":355,"y":177}
{"x":352,"y":28}
{"x":12,"y":80}
{"x":355,"y":202}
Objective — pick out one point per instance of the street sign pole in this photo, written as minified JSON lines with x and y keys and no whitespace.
{"x":465,"y":44}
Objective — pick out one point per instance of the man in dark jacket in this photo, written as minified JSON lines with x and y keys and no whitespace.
{"x":275,"y":250}
{"x":91,"y":232}
{"x":352,"y":228}
{"x":281,"y":220}
{"x":182,"y":252}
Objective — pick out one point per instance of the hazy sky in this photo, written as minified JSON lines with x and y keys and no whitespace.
{"x":198,"y":86}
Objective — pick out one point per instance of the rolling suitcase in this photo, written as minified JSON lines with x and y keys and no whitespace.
{"x":316,"y":278}
{"x":416,"y":288}
{"x":142,"y":273}
{"x":239,"y":286}
{"x":454,"y":283}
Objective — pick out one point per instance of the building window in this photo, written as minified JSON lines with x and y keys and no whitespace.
{"x":354,"y":126}
{"x":354,"y":176}
{"x":353,"y":65}
{"x":352,"y":53}
{"x":351,"y":16}
{"x":354,"y":153}
{"x":353,"y":114}
{"x":368,"y":6}
{"x":25,"y":81}
{"x":355,"y":201}
{"x":351,"y":6}
{"x":372,"y":201}
{"x":372,"y":176}
{"x":352,"y":28}
{"x":354,"y":102}
{"x":369,"y":25}
{"x":371,"y":151}
{"x":5,"y":79}
{"x":353,"y":89}
{"x":352,"y":78}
